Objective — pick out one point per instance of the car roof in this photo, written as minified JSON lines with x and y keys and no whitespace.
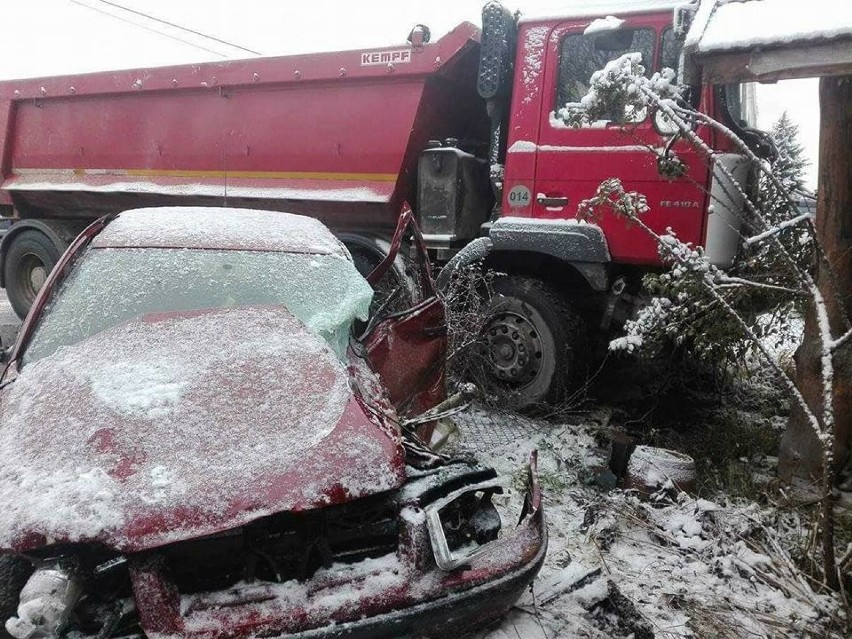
{"x":218,"y":228}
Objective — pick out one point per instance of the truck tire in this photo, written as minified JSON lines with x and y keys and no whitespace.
{"x":28,"y":262}
{"x":535,"y":344}
{"x":14,"y":573}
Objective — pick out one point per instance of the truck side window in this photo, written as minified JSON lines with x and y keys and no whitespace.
{"x":581,"y":55}
{"x":671,"y":48}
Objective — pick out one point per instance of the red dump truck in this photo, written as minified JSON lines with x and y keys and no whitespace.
{"x":462,"y":128}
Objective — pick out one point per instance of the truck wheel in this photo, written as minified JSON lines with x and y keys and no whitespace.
{"x":14,"y":573}
{"x":534,"y":344}
{"x":28,"y":263}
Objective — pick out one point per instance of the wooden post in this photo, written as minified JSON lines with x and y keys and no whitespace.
{"x":800,"y":452}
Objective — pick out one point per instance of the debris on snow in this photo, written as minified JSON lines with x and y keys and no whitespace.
{"x":685,"y":566}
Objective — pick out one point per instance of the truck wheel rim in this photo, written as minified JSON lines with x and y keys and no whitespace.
{"x":513,"y":346}
{"x":33,"y":274}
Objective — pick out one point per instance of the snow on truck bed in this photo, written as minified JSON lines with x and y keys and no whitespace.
{"x":218,"y":228}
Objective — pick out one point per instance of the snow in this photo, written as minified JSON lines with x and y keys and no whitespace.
{"x":532,"y":222}
{"x":589,"y":8}
{"x":57,"y":180}
{"x":149,"y":390}
{"x":219,"y":228}
{"x":551,"y":148}
{"x":691,"y":566}
{"x":224,"y":403}
{"x":327,"y":592}
{"x":523,"y":146}
{"x":535,"y":39}
{"x":600,"y":25}
{"x":656,"y":466}
{"x":723,"y":25}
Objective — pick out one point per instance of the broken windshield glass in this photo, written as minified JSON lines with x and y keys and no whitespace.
{"x":113,"y":285}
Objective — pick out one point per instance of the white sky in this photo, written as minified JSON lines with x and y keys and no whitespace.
{"x":53,"y":37}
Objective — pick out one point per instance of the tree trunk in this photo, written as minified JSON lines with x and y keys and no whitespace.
{"x":800,"y":451}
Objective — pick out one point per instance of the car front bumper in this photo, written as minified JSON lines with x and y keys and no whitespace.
{"x":399,"y":595}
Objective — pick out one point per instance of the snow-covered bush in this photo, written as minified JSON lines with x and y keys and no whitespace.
{"x":701,"y":306}
{"x":467,"y":297}
{"x":778,"y":199}
{"x":616,"y":93}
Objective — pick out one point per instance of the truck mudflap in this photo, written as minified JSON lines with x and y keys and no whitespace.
{"x":402,"y":594}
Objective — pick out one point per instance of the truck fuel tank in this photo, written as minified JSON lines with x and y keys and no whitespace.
{"x":454,"y":196}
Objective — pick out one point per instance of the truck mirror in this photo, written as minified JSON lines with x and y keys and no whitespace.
{"x":664,"y":125}
{"x":682,"y":20}
{"x":497,"y":51}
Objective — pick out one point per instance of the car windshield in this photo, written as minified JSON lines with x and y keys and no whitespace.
{"x":109,"y":286}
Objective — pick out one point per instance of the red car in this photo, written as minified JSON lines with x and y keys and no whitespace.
{"x":205,"y":433}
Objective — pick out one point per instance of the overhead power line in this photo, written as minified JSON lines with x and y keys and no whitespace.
{"x":158,"y":31}
{"x":177,"y":26}
{"x":151,"y":29}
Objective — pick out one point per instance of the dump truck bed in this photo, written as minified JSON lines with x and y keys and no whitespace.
{"x":335,"y":135}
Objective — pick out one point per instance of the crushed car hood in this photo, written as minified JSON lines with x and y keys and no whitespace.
{"x":177,"y":426}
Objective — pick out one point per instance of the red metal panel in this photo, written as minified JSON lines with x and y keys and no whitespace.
{"x":573,"y":162}
{"x":328,"y":128}
{"x":7,"y":109}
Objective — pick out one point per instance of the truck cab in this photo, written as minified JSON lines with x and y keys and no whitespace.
{"x":588,"y":276}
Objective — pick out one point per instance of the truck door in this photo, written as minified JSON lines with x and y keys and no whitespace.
{"x":572,"y":162}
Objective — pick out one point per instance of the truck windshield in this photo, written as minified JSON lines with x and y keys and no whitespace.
{"x":109,"y":286}
{"x":581,"y":55}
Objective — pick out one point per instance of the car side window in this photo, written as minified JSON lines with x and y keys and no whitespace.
{"x":581,"y":55}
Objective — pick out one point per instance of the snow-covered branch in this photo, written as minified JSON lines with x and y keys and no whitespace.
{"x":783,"y":226}
{"x":726,"y":280}
{"x":841,"y":341}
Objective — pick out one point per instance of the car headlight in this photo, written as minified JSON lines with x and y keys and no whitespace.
{"x":462,"y":524}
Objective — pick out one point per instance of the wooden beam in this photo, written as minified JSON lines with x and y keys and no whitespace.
{"x":806,"y":60}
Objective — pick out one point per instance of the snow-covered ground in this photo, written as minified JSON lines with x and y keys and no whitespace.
{"x":618,"y":566}
{"x":9,"y":322}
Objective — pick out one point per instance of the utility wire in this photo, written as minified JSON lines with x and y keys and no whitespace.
{"x":152,"y":30}
{"x":177,"y":26}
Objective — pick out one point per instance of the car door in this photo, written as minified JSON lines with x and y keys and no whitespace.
{"x":572,"y":162}
{"x":408,"y":348}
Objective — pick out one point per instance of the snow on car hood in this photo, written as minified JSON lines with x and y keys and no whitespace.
{"x":171,"y":427}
